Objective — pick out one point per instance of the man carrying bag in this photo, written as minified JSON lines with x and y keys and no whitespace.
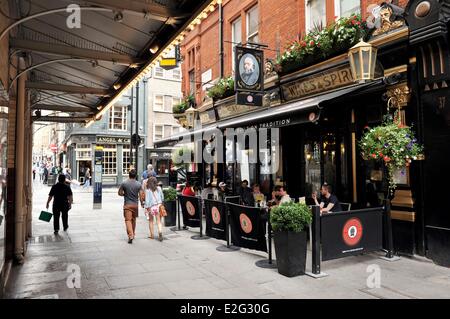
{"x":62,"y":203}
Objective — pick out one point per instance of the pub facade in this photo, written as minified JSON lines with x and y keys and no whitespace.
{"x":322,"y":111}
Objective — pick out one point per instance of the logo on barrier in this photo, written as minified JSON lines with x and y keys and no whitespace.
{"x":246,"y":223}
{"x":190,"y":208}
{"x":215,"y":215}
{"x":352,"y":232}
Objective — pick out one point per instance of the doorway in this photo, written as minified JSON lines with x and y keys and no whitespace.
{"x":82,"y":167}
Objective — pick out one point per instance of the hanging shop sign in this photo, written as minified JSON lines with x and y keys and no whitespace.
{"x":111,"y":139}
{"x":249,"y":76}
{"x":318,"y":83}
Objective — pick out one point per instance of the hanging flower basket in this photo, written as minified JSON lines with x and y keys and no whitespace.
{"x":392,"y":143}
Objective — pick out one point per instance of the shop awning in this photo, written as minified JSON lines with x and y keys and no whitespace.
{"x":297,"y":111}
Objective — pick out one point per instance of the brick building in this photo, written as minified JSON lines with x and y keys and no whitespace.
{"x":273,"y":23}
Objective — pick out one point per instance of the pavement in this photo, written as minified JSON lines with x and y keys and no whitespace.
{"x":94,"y":260}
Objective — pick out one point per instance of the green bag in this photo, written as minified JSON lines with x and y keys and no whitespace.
{"x":45,"y":216}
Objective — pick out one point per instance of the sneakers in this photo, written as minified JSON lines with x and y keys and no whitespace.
{"x":130,"y":240}
{"x":56,"y":232}
{"x":160,"y":237}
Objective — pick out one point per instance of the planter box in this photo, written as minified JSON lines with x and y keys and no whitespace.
{"x":171,"y":218}
{"x":290,"y":249}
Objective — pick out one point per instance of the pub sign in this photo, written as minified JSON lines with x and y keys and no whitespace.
{"x":249,"y":76}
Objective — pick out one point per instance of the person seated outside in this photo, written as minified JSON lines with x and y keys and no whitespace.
{"x":188,"y":190}
{"x":329,"y":203}
{"x":257,"y":195}
{"x":209,"y":192}
{"x":246,"y":194}
{"x":223,"y":191}
{"x":279,"y":196}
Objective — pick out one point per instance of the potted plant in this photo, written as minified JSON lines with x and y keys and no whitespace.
{"x":223,"y":89}
{"x":179,"y":109}
{"x":170,"y":196}
{"x":289,"y":221}
{"x":321,"y":43}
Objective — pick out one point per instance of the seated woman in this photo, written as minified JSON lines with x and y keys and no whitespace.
{"x":188,"y":190}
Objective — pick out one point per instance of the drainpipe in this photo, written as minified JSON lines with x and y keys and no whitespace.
{"x":19,"y":163}
{"x":221,"y":40}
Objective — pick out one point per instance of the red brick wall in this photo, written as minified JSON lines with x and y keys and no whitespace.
{"x":280,"y":21}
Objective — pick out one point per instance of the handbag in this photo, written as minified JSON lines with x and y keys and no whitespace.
{"x":162,"y":210}
{"x":45,"y":216}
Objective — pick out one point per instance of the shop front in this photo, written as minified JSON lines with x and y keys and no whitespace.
{"x":116,"y":157}
{"x":161,"y":159}
{"x":321,"y":114}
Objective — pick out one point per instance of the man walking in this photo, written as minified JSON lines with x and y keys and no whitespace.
{"x":132,"y":192}
{"x":149,"y":172}
{"x":62,"y":203}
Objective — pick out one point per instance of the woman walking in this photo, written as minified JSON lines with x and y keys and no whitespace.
{"x":153,"y":200}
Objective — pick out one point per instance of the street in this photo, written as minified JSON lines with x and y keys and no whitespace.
{"x":180,"y":267}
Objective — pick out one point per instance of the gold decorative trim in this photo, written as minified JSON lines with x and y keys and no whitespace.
{"x":405,"y":216}
{"x":390,"y":37}
{"x":398,"y":69}
{"x":398,"y":95}
{"x":412,"y":60}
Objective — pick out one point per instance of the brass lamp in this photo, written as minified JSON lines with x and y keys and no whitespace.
{"x":191,"y":116}
{"x":363,"y":58}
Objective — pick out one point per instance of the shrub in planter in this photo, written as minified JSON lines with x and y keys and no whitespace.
{"x":224,"y":88}
{"x":170,"y":196}
{"x":289,"y":221}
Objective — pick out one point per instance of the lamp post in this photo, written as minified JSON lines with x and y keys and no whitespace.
{"x":363,"y":58}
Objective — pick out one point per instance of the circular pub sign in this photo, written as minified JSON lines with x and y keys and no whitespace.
{"x":215,"y":215}
{"x":352,"y":231}
{"x":190,"y":208}
{"x":246,"y":223}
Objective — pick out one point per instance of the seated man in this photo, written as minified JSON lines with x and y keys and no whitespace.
{"x":279,"y":196}
{"x":246,"y":194}
{"x":328,"y":202}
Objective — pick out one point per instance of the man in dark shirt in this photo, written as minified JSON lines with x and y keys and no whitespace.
{"x":62,"y":202}
{"x":328,"y":202}
{"x":246,"y":194}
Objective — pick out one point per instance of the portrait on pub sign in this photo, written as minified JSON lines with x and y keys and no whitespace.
{"x":249,"y":71}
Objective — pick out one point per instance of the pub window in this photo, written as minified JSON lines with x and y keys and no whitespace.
{"x":158,"y":103}
{"x":158,"y":132}
{"x":159,"y":72}
{"x":176,"y":74}
{"x":126,"y":160}
{"x":118,"y":118}
{"x":83,"y":152}
{"x":192,"y":82}
{"x":315,"y":14}
{"x":236,"y":37}
{"x":345,"y":8}
{"x":252,"y":25}
{"x":109,"y":159}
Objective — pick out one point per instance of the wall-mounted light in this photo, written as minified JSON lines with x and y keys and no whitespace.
{"x":117,"y":86}
{"x":154,"y":48}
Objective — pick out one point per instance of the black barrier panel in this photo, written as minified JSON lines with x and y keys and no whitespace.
{"x":248,"y":227}
{"x":216,"y":219}
{"x":191,"y":209}
{"x":351,"y":233}
{"x":233,"y":199}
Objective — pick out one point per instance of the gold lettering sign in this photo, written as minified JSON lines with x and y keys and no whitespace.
{"x":225,"y":111}
{"x":318,"y":83}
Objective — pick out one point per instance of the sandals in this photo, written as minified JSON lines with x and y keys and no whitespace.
{"x":160,"y":237}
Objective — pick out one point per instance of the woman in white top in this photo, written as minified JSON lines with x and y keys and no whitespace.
{"x":154,"y":197}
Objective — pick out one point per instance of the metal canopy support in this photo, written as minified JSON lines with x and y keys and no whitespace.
{"x":62,"y":108}
{"x":74,"y":52}
{"x":152,"y":9}
{"x":66,"y":88}
{"x":60,"y":119}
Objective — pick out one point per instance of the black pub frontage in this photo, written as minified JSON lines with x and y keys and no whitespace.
{"x":322,"y":112}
